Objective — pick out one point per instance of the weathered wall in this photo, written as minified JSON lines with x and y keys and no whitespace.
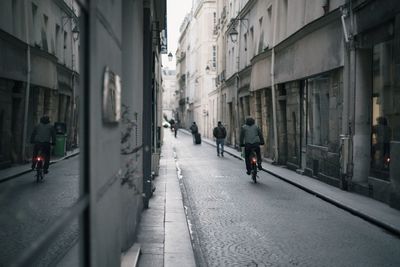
{"x":316,"y":52}
{"x":132,"y":114}
{"x":105,"y":35}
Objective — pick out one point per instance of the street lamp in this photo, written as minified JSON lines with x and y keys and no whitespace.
{"x":170,"y":56}
{"x":75,"y":33}
{"x":207,"y":69}
{"x":234,"y":35}
{"x":233,"y":32}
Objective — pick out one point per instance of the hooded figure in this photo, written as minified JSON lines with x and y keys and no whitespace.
{"x":44,"y":132}
{"x":251,"y":133}
{"x":251,"y":138}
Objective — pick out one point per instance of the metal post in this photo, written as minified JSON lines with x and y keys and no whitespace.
{"x":28,"y":83}
{"x":237,"y":132}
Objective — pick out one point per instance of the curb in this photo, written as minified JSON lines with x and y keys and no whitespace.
{"x":12,"y":176}
{"x":332,"y":201}
{"x":193,"y":233}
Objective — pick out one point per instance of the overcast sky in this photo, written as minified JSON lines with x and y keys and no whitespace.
{"x":176,"y":12}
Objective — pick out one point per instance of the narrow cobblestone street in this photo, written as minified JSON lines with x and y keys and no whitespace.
{"x":238,"y":223}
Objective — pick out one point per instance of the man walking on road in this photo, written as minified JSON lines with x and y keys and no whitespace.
{"x":219,"y":133}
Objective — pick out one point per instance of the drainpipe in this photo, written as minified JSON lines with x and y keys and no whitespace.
{"x":276,"y":152}
{"x":237,"y":141}
{"x":346,"y":141}
{"x":28,"y":85}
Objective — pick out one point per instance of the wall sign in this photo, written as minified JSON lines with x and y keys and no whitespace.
{"x":111,"y":97}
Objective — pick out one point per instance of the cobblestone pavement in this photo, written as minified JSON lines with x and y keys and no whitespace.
{"x":28,"y":208}
{"x":272,"y":223}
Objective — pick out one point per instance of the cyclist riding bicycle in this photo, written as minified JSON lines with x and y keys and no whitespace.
{"x":42,"y":137}
{"x":251,"y":138}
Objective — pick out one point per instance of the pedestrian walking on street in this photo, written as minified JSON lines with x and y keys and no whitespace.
{"x":219,"y":133}
{"x":195,"y":133}
{"x":176,"y":127}
{"x":42,"y":137}
{"x":251,"y":138}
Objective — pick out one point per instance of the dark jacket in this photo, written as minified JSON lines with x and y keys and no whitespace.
{"x":44,"y":132}
{"x":251,"y":133}
{"x":219,"y":132}
{"x":194,"y":129}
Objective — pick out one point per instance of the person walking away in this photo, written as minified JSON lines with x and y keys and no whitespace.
{"x":42,"y":137}
{"x":172,"y":124}
{"x":219,"y":133}
{"x":251,"y":138}
{"x":176,"y":127}
{"x":381,"y":148}
{"x":195,"y":132}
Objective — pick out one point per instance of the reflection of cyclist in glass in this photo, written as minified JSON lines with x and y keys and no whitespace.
{"x":382,"y":134}
{"x":251,"y":138}
{"x":42,"y":137}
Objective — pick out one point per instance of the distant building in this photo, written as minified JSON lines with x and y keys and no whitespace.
{"x":196,"y":64}
{"x":170,"y":93}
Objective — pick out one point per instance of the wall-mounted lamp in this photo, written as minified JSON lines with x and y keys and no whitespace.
{"x":75,"y":29}
{"x":170,"y":56}
{"x":233,"y":32}
{"x":207,"y":69}
{"x":75,"y":33}
{"x":234,"y":35}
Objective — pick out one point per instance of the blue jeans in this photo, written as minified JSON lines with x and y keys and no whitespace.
{"x":220,"y":141}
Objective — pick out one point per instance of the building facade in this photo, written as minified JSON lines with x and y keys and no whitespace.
{"x":169,"y":96}
{"x":39,"y":73}
{"x":196,"y":65}
{"x":319,"y":78}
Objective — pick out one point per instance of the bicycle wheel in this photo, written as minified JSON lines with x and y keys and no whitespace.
{"x":254,"y":174}
{"x":39,"y":175}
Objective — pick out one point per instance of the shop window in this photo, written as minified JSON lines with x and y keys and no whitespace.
{"x":318,"y":111}
{"x":385,"y":111}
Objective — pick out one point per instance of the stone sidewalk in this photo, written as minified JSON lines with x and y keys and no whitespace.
{"x":163,"y":232}
{"x":17,"y":170}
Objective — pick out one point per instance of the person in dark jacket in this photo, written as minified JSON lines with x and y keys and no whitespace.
{"x":251,"y":138}
{"x":42,"y":137}
{"x":194,"y":129}
{"x":219,"y":133}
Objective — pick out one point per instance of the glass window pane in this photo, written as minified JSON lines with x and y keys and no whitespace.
{"x":385,"y":111}
{"x":39,"y":141}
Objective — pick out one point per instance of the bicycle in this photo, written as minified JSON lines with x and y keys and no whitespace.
{"x":253,"y":164}
{"x":39,"y":164}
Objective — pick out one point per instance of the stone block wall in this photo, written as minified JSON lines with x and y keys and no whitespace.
{"x":293,"y":121}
